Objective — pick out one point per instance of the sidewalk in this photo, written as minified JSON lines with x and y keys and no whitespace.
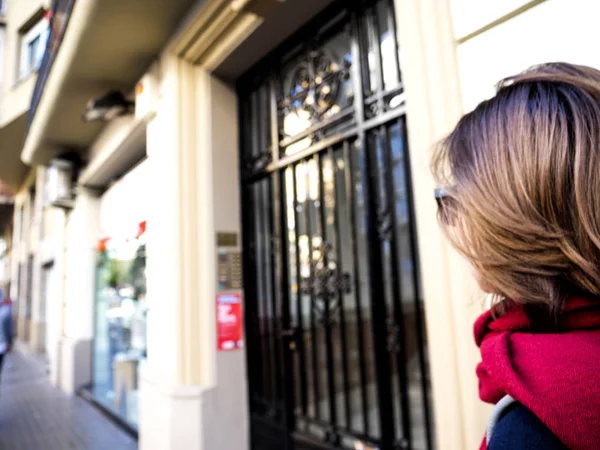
{"x":36,"y":416}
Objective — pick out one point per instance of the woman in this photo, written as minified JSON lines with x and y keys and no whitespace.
{"x":521,"y":200}
{"x":6,"y":327}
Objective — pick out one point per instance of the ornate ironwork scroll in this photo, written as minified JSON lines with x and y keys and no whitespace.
{"x":325,"y":284}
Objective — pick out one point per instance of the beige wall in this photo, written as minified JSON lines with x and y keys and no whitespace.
{"x":48,"y":222}
{"x":171,"y":397}
{"x":452,"y":300}
{"x":472,"y":15}
{"x":125,"y":205}
{"x":554,"y":30}
{"x":192,"y":150}
{"x":15,"y":247}
{"x":16,"y":95}
{"x":76,"y":324}
{"x":38,"y":234}
{"x":22,"y":237}
{"x":21,"y":250}
{"x":38,"y":315}
{"x":7,"y":261}
{"x":82,"y":231}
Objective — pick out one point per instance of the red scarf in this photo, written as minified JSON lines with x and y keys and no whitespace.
{"x":553,"y":371}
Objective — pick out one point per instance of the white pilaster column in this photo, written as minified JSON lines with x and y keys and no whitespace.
{"x":56,"y":298}
{"x":452,"y":300}
{"x":16,"y":249}
{"x":15,"y":259}
{"x":37,"y":325}
{"x":24,"y":250}
{"x":192,"y":151}
{"x":82,"y":230}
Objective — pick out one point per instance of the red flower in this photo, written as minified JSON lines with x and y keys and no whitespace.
{"x":141,"y":229}
{"x":102,"y":244}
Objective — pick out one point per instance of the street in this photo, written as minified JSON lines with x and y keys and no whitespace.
{"x":36,"y":416}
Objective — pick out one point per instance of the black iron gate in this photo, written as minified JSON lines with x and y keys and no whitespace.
{"x":335,"y":329}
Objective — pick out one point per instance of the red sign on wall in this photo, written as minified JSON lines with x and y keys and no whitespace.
{"x":230,"y":329}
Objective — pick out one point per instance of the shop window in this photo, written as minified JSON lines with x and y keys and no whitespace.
{"x":32,"y":48}
{"x":120,"y":335}
{"x":45,"y":286}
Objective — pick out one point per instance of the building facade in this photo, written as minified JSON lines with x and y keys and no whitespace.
{"x":192,"y":164}
{"x":23,"y":35}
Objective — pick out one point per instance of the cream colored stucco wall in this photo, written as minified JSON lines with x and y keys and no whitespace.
{"x":125,"y":204}
{"x":82,"y":231}
{"x":192,"y":150}
{"x":554,"y":30}
{"x":37,"y":231}
{"x":48,"y":223}
{"x":16,"y":95}
{"x":472,"y":15}
{"x":74,"y":318}
{"x":22,"y":203}
{"x":452,"y":299}
{"x":24,"y":209}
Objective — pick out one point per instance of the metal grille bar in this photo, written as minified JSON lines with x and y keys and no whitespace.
{"x":336,"y":342}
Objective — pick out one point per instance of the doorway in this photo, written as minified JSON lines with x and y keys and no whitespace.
{"x":45,"y":293}
{"x":337,"y":351}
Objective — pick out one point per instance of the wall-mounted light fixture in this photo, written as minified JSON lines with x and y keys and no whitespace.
{"x":105,"y":108}
{"x":59,"y":183}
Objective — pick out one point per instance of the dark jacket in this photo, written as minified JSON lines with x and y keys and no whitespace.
{"x":6,"y":327}
{"x":520,"y":429}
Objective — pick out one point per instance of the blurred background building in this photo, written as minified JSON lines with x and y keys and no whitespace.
{"x":160,"y":161}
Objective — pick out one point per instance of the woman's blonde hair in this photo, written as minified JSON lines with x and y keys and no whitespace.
{"x":521,"y":176}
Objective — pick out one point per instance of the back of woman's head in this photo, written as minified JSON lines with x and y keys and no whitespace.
{"x":522,"y":180}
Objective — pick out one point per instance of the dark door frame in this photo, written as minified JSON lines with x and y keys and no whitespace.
{"x":376,"y":111}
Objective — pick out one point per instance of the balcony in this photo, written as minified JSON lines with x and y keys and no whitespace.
{"x":59,"y":20}
{"x":95,"y":46}
{"x":23,"y":25}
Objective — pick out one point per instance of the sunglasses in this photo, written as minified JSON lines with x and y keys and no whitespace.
{"x":440,"y":194}
{"x":442,"y":199}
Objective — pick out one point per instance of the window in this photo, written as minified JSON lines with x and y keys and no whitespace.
{"x":120,"y":346}
{"x":33,"y":46}
{"x":120,"y":333}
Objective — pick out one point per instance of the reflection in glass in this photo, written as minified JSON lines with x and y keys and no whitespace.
{"x":389,"y":63}
{"x":383,"y":53}
{"x":315,"y":86}
{"x":402,"y":214}
{"x":266,"y":310}
{"x":334,"y":306}
{"x":407,"y":279}
{"x":359,"y":180}
{"x":317,"y":331}
{"x":120,"y":331}
{"x":349,"y":321}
